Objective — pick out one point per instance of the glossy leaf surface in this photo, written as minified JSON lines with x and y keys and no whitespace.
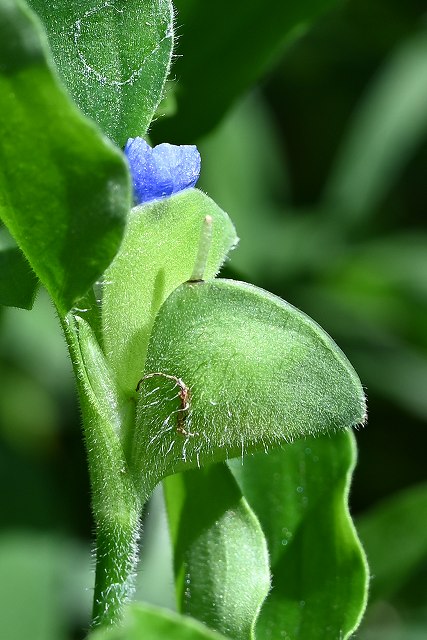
{"x":64,"y":189}
{"x":225,"y":47}
{"x":258,"y":371}
{"x":220,"y":552}
{"x":300,"y":496}
{"x":157,"y":254}
{"x":145,"y":622}
{"x":113,"y":57}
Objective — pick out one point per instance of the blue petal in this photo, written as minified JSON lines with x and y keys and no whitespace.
{"x":162,"y":171}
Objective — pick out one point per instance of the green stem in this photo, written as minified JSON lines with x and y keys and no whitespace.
{"x":116,"y":502}
{"x":116,"y":562}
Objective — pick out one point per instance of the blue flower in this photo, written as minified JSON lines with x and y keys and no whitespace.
{"x":161,"y":171}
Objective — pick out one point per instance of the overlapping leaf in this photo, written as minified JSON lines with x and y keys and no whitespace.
{"x":157,"y":254}
{"x":220,"y":553}
{"x":319,"y":579}
{"x":254,"y":372}
{"x":113,"y":56}
{"x":64,"y":189}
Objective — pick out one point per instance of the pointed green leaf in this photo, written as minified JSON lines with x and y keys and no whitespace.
{"x":255,"y":372}
{"x":157,"y":254}
{"x":143,"y":622}
{"x":113,"y":56}
{"x":64,"y":189}
{"x":319,"y":570}
{"x":220,"y":552}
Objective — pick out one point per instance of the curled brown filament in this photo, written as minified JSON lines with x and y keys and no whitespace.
{"x":184,"y":398}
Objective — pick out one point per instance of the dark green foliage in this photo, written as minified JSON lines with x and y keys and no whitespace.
{"x":227,"y":48}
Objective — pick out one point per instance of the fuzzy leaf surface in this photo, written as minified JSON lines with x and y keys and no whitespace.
{"x":145,"y":622}
{"x":156,"y":256}
{"x":259,"y":372}
{"x":114,"y":58}
{"x":64,"y":189}
{"x":320,"y":579}
{"x":220,"y":552}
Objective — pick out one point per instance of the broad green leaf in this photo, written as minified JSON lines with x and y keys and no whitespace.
{"x":114,"y":58}
{"x":18,"y":283}
{"x":64,"y":189}
{"x":257,"y":372}
{"x":386,"y":129}
{"x":395,"y":540}
{"x":144,"y":622}
{"x":157,"y":254}
{"x":223,"y":49}
{"x":220,"y":553}
{"x":300,"y":495}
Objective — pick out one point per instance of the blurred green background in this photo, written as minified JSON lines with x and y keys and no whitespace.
{"x":320,"y":157}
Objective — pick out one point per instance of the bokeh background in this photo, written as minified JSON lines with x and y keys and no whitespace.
{"x":313,"y":136}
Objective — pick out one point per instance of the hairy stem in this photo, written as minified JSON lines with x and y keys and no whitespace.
{"x":116,"y":502}
{"x":116,"y":561}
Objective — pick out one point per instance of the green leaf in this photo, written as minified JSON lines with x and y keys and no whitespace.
{"x":64,"y":190}
{"x":319,"y":570}
{"x":395,"y":540}
{"x":388,"y":125}
{"x":114,"y":57}
{"x":220,"y":552}
{"x":258,"y":371}
{"x":18,"y":283}
{"x":144,"y":622}
{"x":223,"y":49}
{"x":157,"y":254}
